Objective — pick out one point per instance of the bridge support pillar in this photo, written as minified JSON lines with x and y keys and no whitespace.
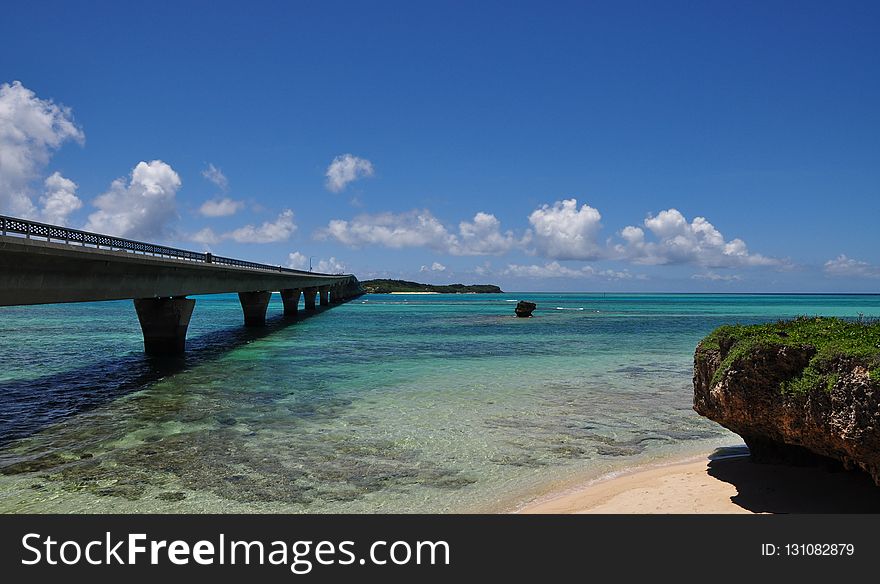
{"x":336,"y":294}
{"x":254,"y":305}
{"x":290,"y":298}
{"x":164,"y":322}
{"x":325,"y":295}
{"x":309,"y":297}
{"x":352,"y":290}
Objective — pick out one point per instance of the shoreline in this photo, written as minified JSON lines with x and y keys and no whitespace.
{"x":651,"y":487}
{"x":724,"y":481}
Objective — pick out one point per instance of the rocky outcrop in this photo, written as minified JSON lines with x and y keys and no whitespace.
{"x":744,"y":390}
{"x":524,"y":308}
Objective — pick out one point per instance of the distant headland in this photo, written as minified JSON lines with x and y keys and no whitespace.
{"x":382,"y":286}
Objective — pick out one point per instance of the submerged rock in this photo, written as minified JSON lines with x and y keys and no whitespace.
{"x":797,"y":392}
{"x":524,"y":308}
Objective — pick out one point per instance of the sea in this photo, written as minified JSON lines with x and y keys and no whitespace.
{"x":384,"y":404}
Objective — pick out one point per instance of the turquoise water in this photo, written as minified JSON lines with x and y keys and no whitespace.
{"x":389,"y":403}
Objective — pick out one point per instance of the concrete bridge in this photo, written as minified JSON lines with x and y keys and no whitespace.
{"x":45,"y":264}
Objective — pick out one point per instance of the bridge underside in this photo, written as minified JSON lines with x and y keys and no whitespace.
{"x":40,"y":272}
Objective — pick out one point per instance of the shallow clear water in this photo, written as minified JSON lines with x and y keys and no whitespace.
{"x":393,"y":403}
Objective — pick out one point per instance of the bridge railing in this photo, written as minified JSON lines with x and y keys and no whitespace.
{"x":70,"y":236}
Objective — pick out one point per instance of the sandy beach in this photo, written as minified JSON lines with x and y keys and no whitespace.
{"x":725,"y":481}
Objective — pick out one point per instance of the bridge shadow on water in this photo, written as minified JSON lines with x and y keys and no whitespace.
{"x":27,"y":406}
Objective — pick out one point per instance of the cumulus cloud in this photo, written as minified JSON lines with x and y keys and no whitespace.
{"x":215,"y":175}
{"x":331,"y":266}
{"x":220,"y":207}
{"x":556,"y":270}
{"x":143,"y":207}
{"x":844,"y":266}
{"x":560,"y":231}
{"x":299,"y":261}
{"x":31,"y":129}
{"x":269,"y":232}
{"x":394,"y":230}
{"x":676,"y":241}
{"x":346,"y":169}
{"x":435,"y":267}
{"x":563,"y":231}
{"x":482,"y":236}
{"x":59,"y":199}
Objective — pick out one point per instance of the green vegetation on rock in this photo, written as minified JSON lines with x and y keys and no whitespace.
{"x":831,"y":339}
{"x":388,"y":286}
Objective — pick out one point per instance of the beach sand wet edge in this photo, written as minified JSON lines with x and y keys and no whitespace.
{"x":722,"y":482}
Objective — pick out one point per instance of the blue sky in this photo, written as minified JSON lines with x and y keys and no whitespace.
{"x":711,"y":146}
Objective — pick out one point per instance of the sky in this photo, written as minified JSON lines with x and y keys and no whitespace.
{"x":554,"y":146}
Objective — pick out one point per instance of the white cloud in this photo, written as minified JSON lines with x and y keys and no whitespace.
{"x":411,"y":229}
{"x":716,"y":277}
{"x":483,"y":269}
{"x":216,"y":176}
{"x":205,"y":236}
{"x":143,"y":207}
{"x":844,"y":266}
{"x":556,"y":270}
{"x":561,"y":231}
{"x":680,"y":242}
{"x":482,"y":236}
{"x":299,"y":261}
{"x":331,"y":266}
{"x":59,"y":199}
{"x":31,"y":129}
{"x":549,"y":270}
{"x":269,"y":232}
{"x":345,"y":169}
{"x":564,"y":232}
{"x":220,"y":207}
{"x":435,"y":267}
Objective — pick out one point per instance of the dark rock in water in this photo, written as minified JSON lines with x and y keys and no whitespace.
{"x":524,"y":308}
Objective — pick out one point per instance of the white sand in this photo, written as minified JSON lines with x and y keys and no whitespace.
{"x":732,"y":484}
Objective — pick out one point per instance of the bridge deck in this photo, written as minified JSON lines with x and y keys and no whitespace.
{"x":36,"y":271}
{"x":47,"y":264}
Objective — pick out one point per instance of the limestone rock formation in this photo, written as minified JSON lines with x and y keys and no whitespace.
{"x":793,"y":400}
{"x":524,"y":308}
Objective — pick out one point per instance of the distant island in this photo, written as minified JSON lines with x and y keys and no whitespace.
{"x":392,"y":286}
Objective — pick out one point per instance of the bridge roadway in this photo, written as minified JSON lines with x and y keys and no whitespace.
{"x":44,"y":264}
